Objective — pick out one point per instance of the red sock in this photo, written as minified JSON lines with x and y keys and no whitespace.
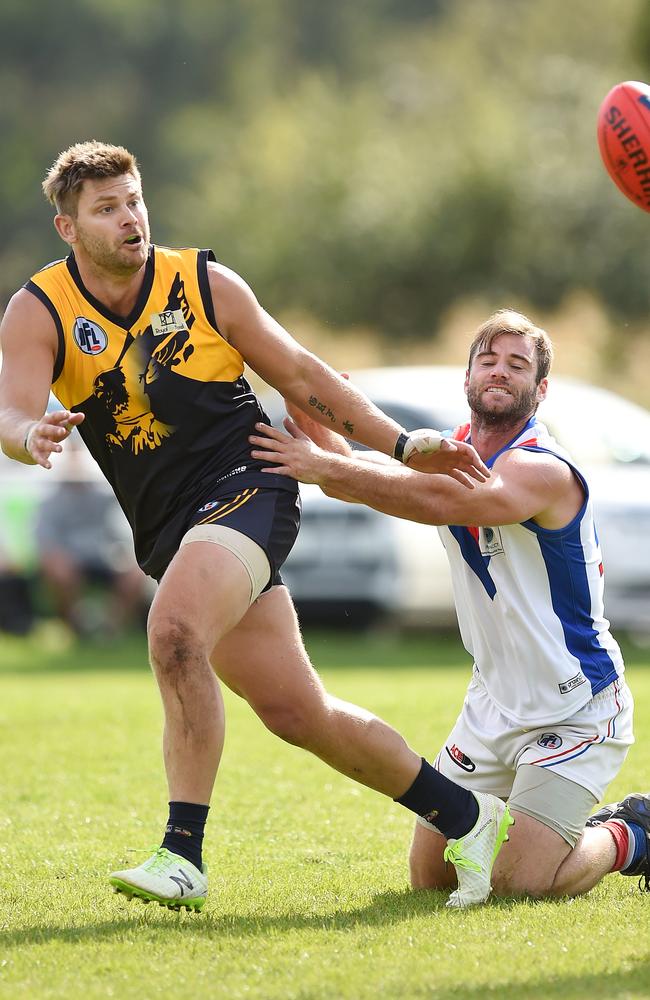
{"x":621,"y":837}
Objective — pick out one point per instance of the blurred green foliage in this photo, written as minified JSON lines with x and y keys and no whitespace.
{"x":368,"y":163}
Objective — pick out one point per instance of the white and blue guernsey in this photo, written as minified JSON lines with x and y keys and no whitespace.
{"x":530,"y":605}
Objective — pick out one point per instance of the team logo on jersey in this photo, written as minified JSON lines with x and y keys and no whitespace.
{"x":550,"y":741}
{"x":169,"y":321}
{"x":123,"y":390}
{"x":88,"y":336}
{"x":208,"y":506}
{"x":460,"y":758}
{"x":490,"y":543}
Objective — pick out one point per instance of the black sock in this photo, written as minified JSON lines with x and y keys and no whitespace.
{"x":451,"y":808}
{"x":184,"y":831}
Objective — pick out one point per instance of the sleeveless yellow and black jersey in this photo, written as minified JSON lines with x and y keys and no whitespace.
{"x":168,"y":410}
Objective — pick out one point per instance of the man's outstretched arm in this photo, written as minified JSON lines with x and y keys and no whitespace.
{"x":523,"y":485}
{"x":311,"y":385}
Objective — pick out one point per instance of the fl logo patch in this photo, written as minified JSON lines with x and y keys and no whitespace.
{"x":88,"y":336}
{"x":550,"y":741}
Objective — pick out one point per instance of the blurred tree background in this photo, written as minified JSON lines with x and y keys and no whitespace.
{"x":383,"y":173}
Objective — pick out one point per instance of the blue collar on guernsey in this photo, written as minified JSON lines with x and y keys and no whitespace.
{"x":531,"y":423}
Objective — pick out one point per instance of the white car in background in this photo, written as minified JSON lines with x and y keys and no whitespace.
{"x":353,"y":565}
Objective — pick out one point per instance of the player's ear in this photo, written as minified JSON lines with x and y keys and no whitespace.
{"x":65,"y":227}
{"x":542,"y":388}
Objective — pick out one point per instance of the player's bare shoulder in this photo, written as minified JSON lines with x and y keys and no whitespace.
{"x":27,"y":322}
{"x":227,"y":285}
{"x":545,"y":470}
{"x":223,"y":278}
{"x":233,"y":299}
{"x":546,"y":476}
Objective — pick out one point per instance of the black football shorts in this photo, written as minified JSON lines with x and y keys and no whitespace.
{"x":269,"y":517}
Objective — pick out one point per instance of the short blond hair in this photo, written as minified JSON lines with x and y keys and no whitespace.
{"x":84,"y":161}
{"x":510,"y":321}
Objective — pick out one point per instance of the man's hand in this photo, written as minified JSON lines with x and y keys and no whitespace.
{"x":295,"y":453}
{"x":456,"y":459}
{"x":46,"y":435}
{"x":298,"y":456}
{"x":325,"y":438}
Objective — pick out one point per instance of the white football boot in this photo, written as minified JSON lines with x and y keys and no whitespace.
{"x":165,"y":878}
{"x":474,"y":854}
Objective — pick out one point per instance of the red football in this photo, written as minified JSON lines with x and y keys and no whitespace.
{"x":624,"y":139}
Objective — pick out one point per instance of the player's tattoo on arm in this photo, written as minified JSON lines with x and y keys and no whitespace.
{"x":322,"y":408}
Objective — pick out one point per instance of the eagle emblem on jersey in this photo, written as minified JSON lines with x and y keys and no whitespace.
{"x":122,"y":390}
{"x":134,"y":424}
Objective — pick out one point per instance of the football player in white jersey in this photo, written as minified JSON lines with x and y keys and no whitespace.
{"x":547,"y":719}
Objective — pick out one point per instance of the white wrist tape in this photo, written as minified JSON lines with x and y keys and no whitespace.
{"x":424,"y":441}
{"x":27,"y":437}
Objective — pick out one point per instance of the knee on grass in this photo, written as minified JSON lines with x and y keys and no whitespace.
{"x":422,"y":877}
{"x":427,"y":867}
{"x":536,"y":885}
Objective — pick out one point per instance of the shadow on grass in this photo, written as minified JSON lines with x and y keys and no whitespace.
{"x":614,"y":985}
{"x":385,"y":909}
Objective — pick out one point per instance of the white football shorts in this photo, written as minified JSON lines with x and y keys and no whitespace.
{"x":486,"y":752}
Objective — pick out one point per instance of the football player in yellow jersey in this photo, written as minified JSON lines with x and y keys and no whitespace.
{"x":144,"y":346}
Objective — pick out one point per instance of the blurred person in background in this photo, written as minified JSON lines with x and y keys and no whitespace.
{"x":145,"y":347}
{"x":82,"y":543}
{"x":17,"y":613}
{"x":547,"y":719}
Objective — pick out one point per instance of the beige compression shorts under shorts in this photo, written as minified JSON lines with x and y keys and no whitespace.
{"x":252,"y":557}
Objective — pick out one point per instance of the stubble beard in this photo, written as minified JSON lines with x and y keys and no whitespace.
{"x":115,"y":261}
{"x":523,"y":406}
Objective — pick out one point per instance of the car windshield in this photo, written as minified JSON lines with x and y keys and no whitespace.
{"x":597,"y":426}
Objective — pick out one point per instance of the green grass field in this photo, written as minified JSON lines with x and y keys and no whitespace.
{"x":309,"y":895}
